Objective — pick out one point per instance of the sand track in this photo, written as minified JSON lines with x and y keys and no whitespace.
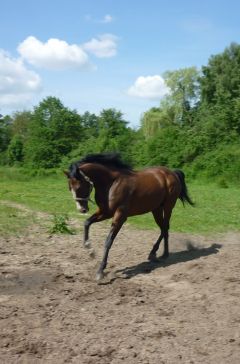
{"x":183,"y":310}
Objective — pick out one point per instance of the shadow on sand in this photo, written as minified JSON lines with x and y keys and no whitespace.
{"x":174,"y":258}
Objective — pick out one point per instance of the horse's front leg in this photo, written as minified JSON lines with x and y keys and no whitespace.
{"x":118,"y":220}
{"x":98,"y":216}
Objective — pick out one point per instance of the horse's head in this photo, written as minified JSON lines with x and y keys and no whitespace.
{"x":81,"y":187}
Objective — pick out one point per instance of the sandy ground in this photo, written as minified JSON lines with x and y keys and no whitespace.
{"x":183,"y":310}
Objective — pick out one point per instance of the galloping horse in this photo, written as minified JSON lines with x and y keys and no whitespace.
{"x":121,"y":192}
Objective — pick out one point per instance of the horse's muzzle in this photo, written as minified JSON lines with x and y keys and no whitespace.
{"x":82,"y":208}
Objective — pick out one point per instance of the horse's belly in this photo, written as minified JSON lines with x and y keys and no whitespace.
{"x":142,"y":206}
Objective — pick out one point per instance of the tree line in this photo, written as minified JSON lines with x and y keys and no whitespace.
{"x":196,"y":126}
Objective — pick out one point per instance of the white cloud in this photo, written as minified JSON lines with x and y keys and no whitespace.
{"x":149,"y":87}
{"x":107,"y":19}
{"x":17,"y":84}
{"x":55,"y":54}
{"x":104,"y":46}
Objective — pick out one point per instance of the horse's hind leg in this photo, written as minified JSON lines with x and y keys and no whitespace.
{"x":158,"y":216}
{"x":167,"y":212}
{"x":162,"y":217}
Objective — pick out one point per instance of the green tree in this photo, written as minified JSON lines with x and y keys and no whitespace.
{"x":137,"y":149}
{"x":220,"y":86}
{"x":5,"y":132}
{"x":178,"y":106}
{"x":90,"y":124}
{"x":111,"y":134}
{"x":20,"y":124}
{"x":53,"y":132}
{"x":164,"y":148}
{"x":221,"y":77}
{"x":113,"y":131}
{"x":184,"y":93}
{"x":112,"y":121}
{"x":15,"y":150}
{"x":156,"y":119}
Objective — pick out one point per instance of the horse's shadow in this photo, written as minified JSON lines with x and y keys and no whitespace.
{"x":174,"y":258}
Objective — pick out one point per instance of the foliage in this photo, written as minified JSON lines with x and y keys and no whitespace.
{"x":5,"y":132}
{"x":15,"y":150}
{"x":155,"y":119}
{"x":196,"y":127}
{"x":20,"y":124}
{"x":221,"y":78}
{"x":90,"y":125}
{"x":220,"y":85}
{"x":110,"y":133}
{"x":222,"y":162}
{"x":60,"y":225}
{"x":184,"y":93}
{"x":54,"y":131}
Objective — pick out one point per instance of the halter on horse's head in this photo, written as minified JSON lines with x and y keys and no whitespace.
{"x":81,"y":187}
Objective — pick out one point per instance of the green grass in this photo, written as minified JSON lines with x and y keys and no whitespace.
{"x":13,"y":221}
{"x":47,"y":194}
{"x":217,"y":208}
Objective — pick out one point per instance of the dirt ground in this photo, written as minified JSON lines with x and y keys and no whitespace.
{"x":183,"y":310}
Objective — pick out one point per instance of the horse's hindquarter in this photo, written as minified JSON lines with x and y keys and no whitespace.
{"x":142,"y":191}
{"x":150,"y":190}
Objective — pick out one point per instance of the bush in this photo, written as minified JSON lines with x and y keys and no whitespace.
{"x":222,"y":162}
{"x":222,"y":183}
{"x":60,"y":225}
{"x":15,"y":150}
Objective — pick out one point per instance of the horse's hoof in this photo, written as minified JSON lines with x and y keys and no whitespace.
{"x":87,"y":244}
{"x":165,"y":256}
{"x":152,"y":258}
{"x":99,"y":276}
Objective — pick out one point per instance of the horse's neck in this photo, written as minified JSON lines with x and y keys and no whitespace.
{"x":101,"y":176}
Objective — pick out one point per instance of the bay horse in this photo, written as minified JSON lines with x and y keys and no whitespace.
{"x":121,"y":191}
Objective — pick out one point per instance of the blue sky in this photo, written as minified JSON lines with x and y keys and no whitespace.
{"x":96,"y":54}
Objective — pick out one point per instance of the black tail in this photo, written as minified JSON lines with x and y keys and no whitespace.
{"x":184,"y":192}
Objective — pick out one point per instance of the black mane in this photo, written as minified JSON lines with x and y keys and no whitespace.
{"x":73,"y":170}
{"x":107,"y":159}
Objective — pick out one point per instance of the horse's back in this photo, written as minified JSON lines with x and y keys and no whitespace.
{"x":150,"y":188}
{"x":163,"y":179}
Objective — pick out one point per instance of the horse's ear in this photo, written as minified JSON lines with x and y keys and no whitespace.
{"x":66,"y":174}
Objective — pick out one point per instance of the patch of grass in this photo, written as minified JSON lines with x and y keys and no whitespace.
{"x":60,"y":225}
{"x":217,"y":210}
{"x":217,"y":207}
{"x":13,"y":221}
{"x":47,"y":194}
